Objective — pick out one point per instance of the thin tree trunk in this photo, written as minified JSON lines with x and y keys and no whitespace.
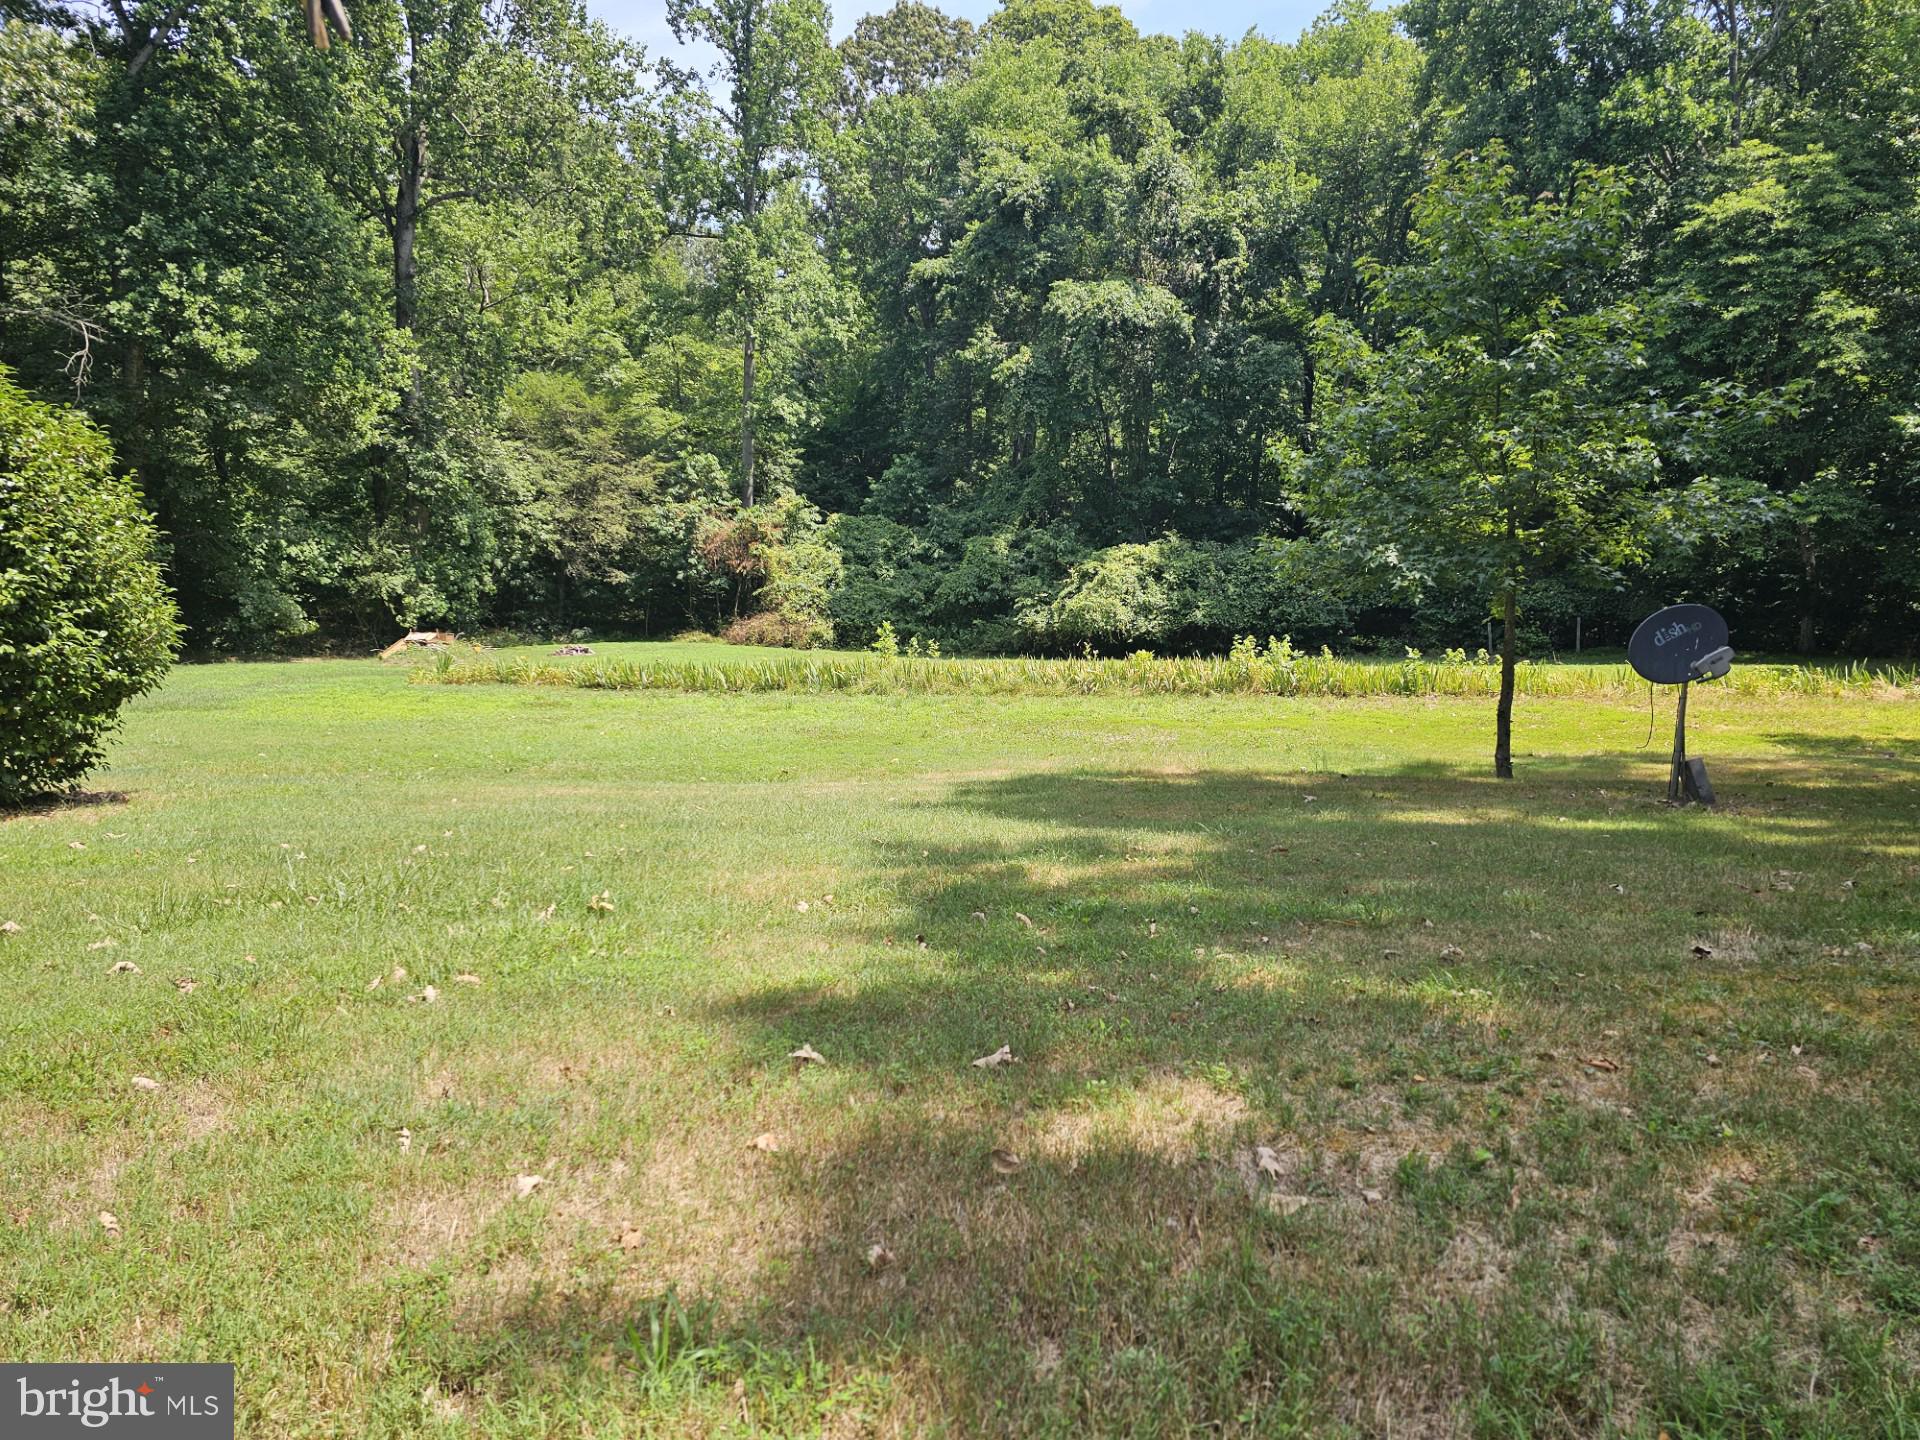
{"x":410,"y":153}
{"x":412,"y":147}
{"x":1503,"y":717}
{"x":1808,"y":566}
{"x":746,"y":416}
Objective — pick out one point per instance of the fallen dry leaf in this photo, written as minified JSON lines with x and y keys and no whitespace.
{"x":405,"y":1138}
{"x":632,"y":1239}
{"x":143,"y":1082}
{"x":109,"y":1223}
{"x":603,"y":901}
{"x":122,"y":967}
{"x":1600,"y":1062}
{"x":981,"y":916}
{"x":546,"y":914}
{"x":106,"y":942}
{"x":1285,"y":1204}
{"x":1046,"y":1359}
{"x":1268,"y":1161}
{"x":525,"y":1185}
{"x":76,"y":844}
{"x":767,"y":1141}
{"x":465,"y":979}
{"x":1002,"y":1056}
{"x":185,"y":985}
{"x":1023,"y":919}
{"x":1372,"y":1197}
{"x":802,"y":907}
{"x":807,"y":1055}
{"x":1005,"y":1162}
{"x":9,"y":927}
{"x":1702,"y":951}
{"x":374,"y":984}
{"x":1451,"y":952}
{"x":879,"y":1257}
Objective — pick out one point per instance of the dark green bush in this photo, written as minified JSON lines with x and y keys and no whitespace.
{"x":1188,"y":596}
{"x":86,"y":622}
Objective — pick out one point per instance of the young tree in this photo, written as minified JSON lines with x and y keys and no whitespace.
{"x":779,"y":74}
{"x":1505,"y":436}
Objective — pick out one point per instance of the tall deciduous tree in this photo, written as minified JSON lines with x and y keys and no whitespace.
{"x":777,"y":69}
{"x":481,"y":127}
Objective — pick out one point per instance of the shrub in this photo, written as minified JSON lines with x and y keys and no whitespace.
{"x":1187,"y":595}
{"x":801,"y":575}
{"x":885,"y":576}
{"x":770,"y":627}
{"x":86,"y":622}
{"x":1119,"y":597}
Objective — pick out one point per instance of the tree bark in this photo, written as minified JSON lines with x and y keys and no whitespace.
{"x":390,"y":473}
{"x":1503,"y":717}
{"x":746,"y":416}
{"x":412,"y":147}
{"x":1809,"y":558}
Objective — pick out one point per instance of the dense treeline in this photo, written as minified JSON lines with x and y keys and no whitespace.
{"x":1032,"y":336}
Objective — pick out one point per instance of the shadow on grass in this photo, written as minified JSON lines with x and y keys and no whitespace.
{"x":65,"y":800}
{"x":1897,"y":755}
{"x":1386,"y":981}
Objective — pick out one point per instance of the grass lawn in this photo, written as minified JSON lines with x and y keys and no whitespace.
{"x":1354,"y":1093}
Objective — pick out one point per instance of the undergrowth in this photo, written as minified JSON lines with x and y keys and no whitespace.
{"x":1275,"y":669}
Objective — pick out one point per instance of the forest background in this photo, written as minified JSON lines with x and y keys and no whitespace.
{"x":1038,"y":335}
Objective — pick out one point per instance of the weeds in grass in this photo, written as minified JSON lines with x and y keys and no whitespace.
{"x":1250,"y":669}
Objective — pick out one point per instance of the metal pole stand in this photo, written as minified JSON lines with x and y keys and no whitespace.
{"x":1687,"y":782}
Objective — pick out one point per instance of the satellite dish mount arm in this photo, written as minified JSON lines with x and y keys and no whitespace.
{"x":1680,"y":778}
{"x":1687,"y":782}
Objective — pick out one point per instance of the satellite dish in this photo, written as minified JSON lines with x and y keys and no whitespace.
{"x":1679,"y":644}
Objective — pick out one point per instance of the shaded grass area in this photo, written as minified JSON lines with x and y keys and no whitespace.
{"x":1273,"y":669}
{"x":1354,"y":1093}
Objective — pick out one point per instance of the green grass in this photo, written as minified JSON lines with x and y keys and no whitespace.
{"x":1207,"y":927}
{"x":1271,"y":670}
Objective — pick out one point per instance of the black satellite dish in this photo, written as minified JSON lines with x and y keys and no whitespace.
{"x":1677,"y":646}
{"x":1670,"y":642}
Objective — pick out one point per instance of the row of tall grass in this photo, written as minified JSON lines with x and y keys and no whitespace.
{"x":1275,"y":669}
